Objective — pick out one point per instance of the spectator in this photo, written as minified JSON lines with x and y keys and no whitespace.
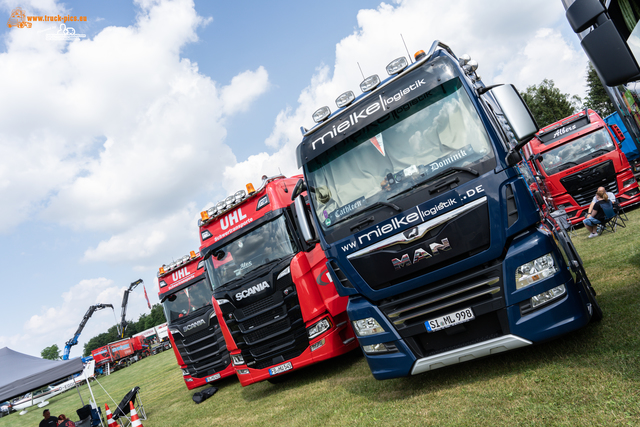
{"x":610,"y":196}
{"x":597,"y":215}
{"x":63,"y":421}
{"x":48,"y":421}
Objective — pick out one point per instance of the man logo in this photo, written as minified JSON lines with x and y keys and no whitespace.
{"x":420,"y":254}
{"x":409,"y":234}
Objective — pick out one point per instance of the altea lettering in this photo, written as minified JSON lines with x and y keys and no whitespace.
{"x":179,"y":274}
{"x":233,"y":218}
{"x":252,"y":290}
{"x":356,"y":117}
{"x":564,"y":130}
{"x":420,"y":254}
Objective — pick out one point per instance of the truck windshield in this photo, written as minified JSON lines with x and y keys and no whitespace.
{"x":422,"y":138}
{"x":263,"y":245}
{"x":187,"y":301}
{"x":578,"y":151}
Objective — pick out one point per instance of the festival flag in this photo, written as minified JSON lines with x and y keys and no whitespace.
{"x":145,"y":295}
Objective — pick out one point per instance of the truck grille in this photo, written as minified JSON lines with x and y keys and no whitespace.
{"x":270,"y":330}
{"x":480,"y":289}
{"x":582,"y":185}
{"x":204,"y":352}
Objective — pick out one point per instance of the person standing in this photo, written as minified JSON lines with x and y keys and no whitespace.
{"x":48,"y":421}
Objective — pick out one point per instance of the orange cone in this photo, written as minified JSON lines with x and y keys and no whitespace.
{"x":135,"y":421}
{"x":110,"y":421}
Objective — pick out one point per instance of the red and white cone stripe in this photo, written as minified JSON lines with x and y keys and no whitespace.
{"x":135,"y":421}
{"x":110,"y":421}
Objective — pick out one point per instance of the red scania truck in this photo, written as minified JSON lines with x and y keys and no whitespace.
{"x":575,"y":156}
{"x":280,"y":308}
{"x":194,"y":330}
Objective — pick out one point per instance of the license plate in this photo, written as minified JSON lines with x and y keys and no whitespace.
{"x":213,"y":378}
{"x":449,"y":320}
{"x":280,"y":368}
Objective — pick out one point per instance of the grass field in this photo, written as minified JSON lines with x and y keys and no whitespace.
{"x":591,"y":377}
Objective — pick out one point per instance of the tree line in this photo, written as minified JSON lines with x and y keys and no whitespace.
{"x":144,"y":322}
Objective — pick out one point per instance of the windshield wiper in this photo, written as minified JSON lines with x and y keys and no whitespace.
{"x":599,"y":153}
{"x":436,"y":176}
{"x":566,"y":165}
{"x":376,"y":205}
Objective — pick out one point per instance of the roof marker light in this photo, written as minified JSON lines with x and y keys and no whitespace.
{"x":321,"y":114}
{"x":250,"y":189}
{"x":370,"y":83}
{"x":162,"y":270}
{"x":192,"y":254}
{"x":419,"y":55}
{"x":464,"y":59}
{"x":204,"y":215}
{"x":397,"y":65}
{"x":345,"y":99}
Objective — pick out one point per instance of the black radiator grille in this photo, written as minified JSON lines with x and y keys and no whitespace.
{"x":582,"y":185}
{"x":204,"y":352}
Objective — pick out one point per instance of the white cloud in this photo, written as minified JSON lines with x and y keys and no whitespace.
{"x":516,"y":42}
{"x":116,"y":131}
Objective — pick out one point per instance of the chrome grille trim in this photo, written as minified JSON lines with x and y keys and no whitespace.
{"x":423,"y":229}
{"x":401,"y":319}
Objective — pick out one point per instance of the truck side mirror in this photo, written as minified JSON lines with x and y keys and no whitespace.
{"x":307,"y":230}
{"x":298,"y":189}
{"x":523,"y":125}
{"x":605,"y":45}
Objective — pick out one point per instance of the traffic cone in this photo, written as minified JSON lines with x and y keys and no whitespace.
{"x":135,"y":421}
{"x":110,"y":421}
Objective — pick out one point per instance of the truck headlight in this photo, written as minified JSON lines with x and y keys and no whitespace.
{"x":380,"y":348}
{"x":628,"y":182}
{"x":534,"y":271}
{"x":547,"y":296}
{"x":366,"y":327}
{"x":237,"y":359}
{"x":319,"y":328}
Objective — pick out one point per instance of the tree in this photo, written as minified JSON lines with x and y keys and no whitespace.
{"x":51,"y":353}
{"x":548,"y":104}
{"x":597,"y":98}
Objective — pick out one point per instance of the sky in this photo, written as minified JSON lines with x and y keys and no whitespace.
{"x":112,"y":143}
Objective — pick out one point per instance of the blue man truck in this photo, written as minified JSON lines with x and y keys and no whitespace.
{"x":427,"y":224}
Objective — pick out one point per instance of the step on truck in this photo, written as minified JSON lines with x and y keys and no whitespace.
{"x":272,"y":290}
{"x":427,"y":224}
{"x":577,"y":155}
{"x":194,"y":330}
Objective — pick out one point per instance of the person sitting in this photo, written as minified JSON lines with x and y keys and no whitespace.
{"x":596,"y":216}
{"x":611,"y":197}
{"x":48,"y":421}
{"x":63,"y":421}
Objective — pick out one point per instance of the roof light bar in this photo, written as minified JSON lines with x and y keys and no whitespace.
{"x":397,"y":65}
{"x":175,"y":264}
{"x":321,"y":114}
{"x":345,"y":99}
{"x":370,"y":83}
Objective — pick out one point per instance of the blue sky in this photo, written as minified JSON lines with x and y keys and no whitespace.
{"x":112,"y":144}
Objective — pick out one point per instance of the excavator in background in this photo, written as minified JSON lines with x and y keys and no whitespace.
{"x":125,"y":299}
{"x":73,"y":341}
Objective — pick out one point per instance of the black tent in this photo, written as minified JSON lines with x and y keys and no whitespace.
{"x":21,"y":373}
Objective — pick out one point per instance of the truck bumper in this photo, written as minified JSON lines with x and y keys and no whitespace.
{"x":335,"y":342}
{"x":193,"y":382}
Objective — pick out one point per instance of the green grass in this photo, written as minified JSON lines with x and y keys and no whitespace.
{"x":590,"y":377}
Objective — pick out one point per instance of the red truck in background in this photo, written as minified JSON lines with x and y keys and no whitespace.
{"x":278,"y":306}
{"x":194,"y":331}
{"x":120,"y":353}
{"x":575,"y":156}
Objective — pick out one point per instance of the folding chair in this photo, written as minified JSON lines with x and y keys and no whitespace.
{"x":610,"y":219}
{"x":622,"y":216}
{"x":121,"y":414}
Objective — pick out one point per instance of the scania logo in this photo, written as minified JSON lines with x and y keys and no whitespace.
{"x":252,"y":290}
{"x":190,"y":326}
{"x":420,"y":254}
